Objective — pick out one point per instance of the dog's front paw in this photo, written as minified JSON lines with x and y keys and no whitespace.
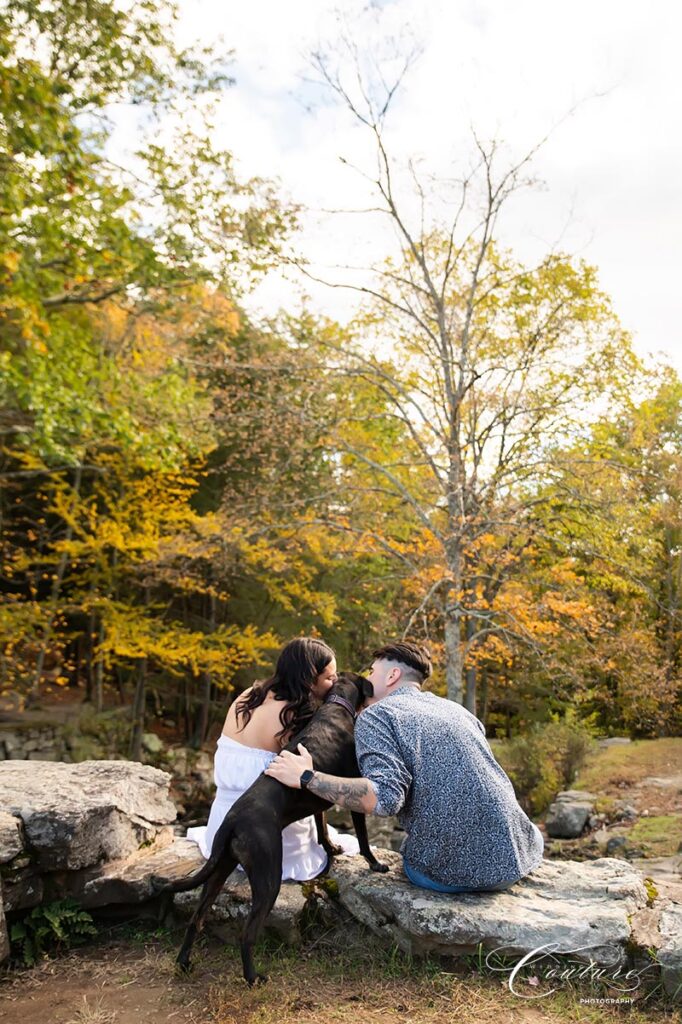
{"x":382,"y":868}
{"x":183,"y":967}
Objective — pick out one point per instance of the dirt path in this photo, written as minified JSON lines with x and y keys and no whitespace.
{"x":133,"y":981}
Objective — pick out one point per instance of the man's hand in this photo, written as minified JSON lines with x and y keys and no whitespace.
{"x":355,"y":794}
{"x":288,"y":768}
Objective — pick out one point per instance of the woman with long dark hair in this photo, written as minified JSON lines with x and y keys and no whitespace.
{"x":259,"y":724}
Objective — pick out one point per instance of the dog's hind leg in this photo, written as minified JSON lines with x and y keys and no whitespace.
{"x":266,"y":881}
{"x":360,"y":826}
{"x":211,"y":888}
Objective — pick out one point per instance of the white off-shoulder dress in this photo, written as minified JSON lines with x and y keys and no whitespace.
{"x":235,"y":768}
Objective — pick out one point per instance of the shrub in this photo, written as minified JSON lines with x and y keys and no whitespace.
{"x":48,"y":927}
{"x":546,"y":759}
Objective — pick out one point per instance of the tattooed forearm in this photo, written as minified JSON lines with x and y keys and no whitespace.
{"x":355,"y":794}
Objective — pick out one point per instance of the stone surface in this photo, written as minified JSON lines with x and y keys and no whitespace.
{"x":663,"y":781}
{"x":128,"y":880}
{"x":234,"y":903}
{"x":152,"y":743}
{"x":624,"y":811}
{"x":11,"y":842}
{"x":592,"y":910}
{"x":670,"y":952}
{"x":567,"y":815}
{"x":22,"y":889}
{"x":661,"y":868}
{"x":572,"y":796}
{"x":579,"y":906}
{"x":76,"y":815}
{"x":4,"y":938}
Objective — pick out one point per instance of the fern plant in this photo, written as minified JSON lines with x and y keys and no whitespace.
{"x":50,"y":927}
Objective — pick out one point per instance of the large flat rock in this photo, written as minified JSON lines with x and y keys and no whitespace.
{"x":128,"y":879}
{"x":578,"y":908}
{"x":75,"y":815}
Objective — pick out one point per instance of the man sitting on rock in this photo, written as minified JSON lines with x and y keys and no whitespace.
{"x":427,"y":760}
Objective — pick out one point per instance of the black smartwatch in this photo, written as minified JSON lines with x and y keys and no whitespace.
{"x":306,"y":778}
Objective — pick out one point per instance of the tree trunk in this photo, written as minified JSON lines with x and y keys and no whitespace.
{"x":470,"y":693}
{"x":672,"y":587}
{"x":54,"y":597}
{"x":185,"y":709}
{"x":205,"y":707}
{"x":89,"y":647}
{"x":99,"y":673}
{"x":138,"y":711}
{"x":453,"y":657}
{"x":204,"y":711}
{"x":484,"y":697}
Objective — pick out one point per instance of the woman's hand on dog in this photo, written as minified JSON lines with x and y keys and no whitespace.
{"x":288,"y":768}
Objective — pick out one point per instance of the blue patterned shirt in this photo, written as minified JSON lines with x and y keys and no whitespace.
{"x":431,"y":765}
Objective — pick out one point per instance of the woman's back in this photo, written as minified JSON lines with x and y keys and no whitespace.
{"x":263,"y":725}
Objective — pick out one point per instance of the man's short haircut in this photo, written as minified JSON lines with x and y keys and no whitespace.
{"x":415,"y":656}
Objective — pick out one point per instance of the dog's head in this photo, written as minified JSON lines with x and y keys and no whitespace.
{"x":355,"y":688}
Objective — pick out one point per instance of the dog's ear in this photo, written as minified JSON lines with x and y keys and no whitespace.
{"x":366,"y":688}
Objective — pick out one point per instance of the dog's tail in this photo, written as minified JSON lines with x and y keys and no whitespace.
{"x":161,"y":885}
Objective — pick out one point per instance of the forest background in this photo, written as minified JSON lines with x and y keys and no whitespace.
{"x":476,"y":458}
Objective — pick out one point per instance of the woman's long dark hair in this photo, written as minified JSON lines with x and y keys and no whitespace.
{"x":299,"y":664}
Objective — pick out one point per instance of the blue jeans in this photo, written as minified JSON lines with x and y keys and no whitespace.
{"x":424,"y":882}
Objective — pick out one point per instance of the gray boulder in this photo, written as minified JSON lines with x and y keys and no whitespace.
{"x":569,"y":813}
{"x":572,"y":796}
{"x":74,"y":816}
{"x":572,"y":906}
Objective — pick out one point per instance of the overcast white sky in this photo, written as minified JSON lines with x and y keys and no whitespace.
{"x":513,"y":68}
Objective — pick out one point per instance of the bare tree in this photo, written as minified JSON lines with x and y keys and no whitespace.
{"x":489,"y":364}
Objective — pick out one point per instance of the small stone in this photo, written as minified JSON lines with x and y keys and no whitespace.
{"x":626,"y":812}
{"x":152,"y":743}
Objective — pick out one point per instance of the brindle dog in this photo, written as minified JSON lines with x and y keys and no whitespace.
{"x":251,"y":832}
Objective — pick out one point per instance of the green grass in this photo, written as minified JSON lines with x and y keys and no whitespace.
{"x":658,"y":835}
{"x":630,"y":762}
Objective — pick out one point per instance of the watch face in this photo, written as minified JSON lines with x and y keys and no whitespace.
{"x":306,"y":777}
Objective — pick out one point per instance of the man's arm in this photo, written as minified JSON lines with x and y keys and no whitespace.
{"x":355,"y":794}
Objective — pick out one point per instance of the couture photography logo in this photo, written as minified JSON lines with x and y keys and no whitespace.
{"x":545,"y":972}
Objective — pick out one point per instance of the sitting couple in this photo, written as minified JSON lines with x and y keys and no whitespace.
{"x":422,"y":758}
